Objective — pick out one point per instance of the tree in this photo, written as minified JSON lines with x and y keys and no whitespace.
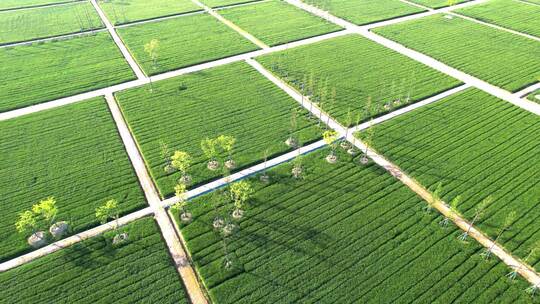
{"x":265,"y":178}
{"x":368,"y":142}
{"x":181,"y":161}
{"x":509,"y":220}
{"x":107,"y":211}
{"x":291,"y":140}
{"x":46,"y":210}
{"x":27,"y":223}
{"x":226,"y":143}
{"x":348,"y":121}
{"x":435,"y":197}
{"x":297,"y":166}
{"x":165,"y":154}
{"x":180,"y":191}
{"x":478,"y":213}
{"x":208,"y":146}
{"x":151,"y":48}
{"x":533,"y":252}
{"x":330,"y":138}
{"x":240,"y":193}
{"x":454,"y":208}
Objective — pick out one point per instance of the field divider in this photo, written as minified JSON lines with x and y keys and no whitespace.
{"x":526,"y":91}
{"x":178,"y":254}
{"x":427,"y":8}
{"x":123,"y":49}
{"x":157,"y":19}
{"x":59,"y":3}
{"x":53,"y":38}
{"x":230,"y":24}
{"x":522,"y":268}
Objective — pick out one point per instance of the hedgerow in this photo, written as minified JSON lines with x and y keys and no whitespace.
{"x":72,"y":153}
{"x":477,"y":146}
{"x":96,"y":271}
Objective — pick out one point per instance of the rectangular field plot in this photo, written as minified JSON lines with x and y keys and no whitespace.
{"x":73,"y":154}
{"x":203,"y":39}
{"x":363,"y":12}
{"x":127,"y":11}
{"x":515,"y":15}
{"x":477,"y":146}
{"x":344,"y":233}
{"x":438,"y":3}
{"x":24,"y":25}
{"x":95,"y":271}
{"x":32,"y":74}
{"x":357,"y":69}
{"x":11,"y":4}
{"x":232,"y":100}
{"x":276,"y":22}
{"x":498,"y":57}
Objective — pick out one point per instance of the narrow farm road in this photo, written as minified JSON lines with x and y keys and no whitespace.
{"x":58,"y":37}
{"x":523,"y":93}
{"x":132,"y":63}
{"x":523,"y":269}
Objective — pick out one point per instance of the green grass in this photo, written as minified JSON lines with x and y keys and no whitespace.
{"x":24,"y":25}
{"x":11,"y":4}
{"x":95,"y":271}
{"x":33,"y":74}
{"x":127,"y":11}
{"x":73,"y":153}
{"x":498,"y":57}
{"x":363,"y":12}
{"x":183,"y":42}
{"x":220,"y":3}
{"x":344,"y":234}
{"x":533,"y":97}
{"x":475,"y":145}
{"x":357,"y":68}
{"x":437,"y":3}
{"x":277,"y":22}
{"x":231,"y":100}
{"x":515,"y":15}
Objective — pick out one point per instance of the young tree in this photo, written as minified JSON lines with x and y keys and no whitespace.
{"x":348,"y":121}
{"x":265,"y":178}
{"x":331,"y":105}
{"x":180,"y":191}
{"x":240,"y":193}
{"x":533,"y":252}
{"x":364,"y":160}
{"x":26,"y":224}
{"x":152,"y":48}
{"x":510,"y":219}
{"x":330,"y":138}
{"x":165,"y":154}
{"x":291,"y":140}
{"x":454,"y":208}
{"x":297,"y":169}
{"x":208,"y":146}
{"x":181,"y":161}
{"x":107,"y":211}
{"x":227,"y":144}
{"x":436,"y":197}
{"x":479,"y":212}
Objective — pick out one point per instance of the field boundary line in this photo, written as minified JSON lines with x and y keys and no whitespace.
{"x":427,"y":8}
{"x":522,"y":268}
{"x":231,"y":25}
{"x":425,"y":59}
{"x":176,"y":250}
{"x":54,"y":38}
{"x":76,"y":238}
{"x":157,"y":19}
{"x":61,"y":3}
{"x":528,"y":90}
{"x":501,"y":28}
{"x":527,"y":2}
{"x":123,"y":49}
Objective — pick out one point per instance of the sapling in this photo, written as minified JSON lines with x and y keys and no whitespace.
{"x":454,"y":208}
{"x":348,"y":122}
{"x":352,"y":149}
{"x":323,"y":91}
{"x":291,"y":140}
{"x":151,"y":48}
{"x":509,"y":220}
{"x":478,"y":213}
{"x":165,"y":154}
{"x":435,"y":198}
{"x":227,"y":144}
{"x":208,"y":146}
{"x":330,"y":138}
{"x":181,"y":161}
{"x":110,"y":210}
{"x":265,"y":178}
{"x":311,"y":93}
{"x":297,"y":166}
{"x":240,"y":193}
{"x":364,"y":160}
{"x":180,"y":192}
{"x":533,"y":252}
{"x":331,"y":105}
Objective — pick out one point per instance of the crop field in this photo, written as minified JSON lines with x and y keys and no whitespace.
{"x":366,"y":11}
{"x":203,"y":39}
{"x":23,"y":25}
{"x":11,"y":4}
{"x":127,"y":11}
{"x":438,"y":3}
{"x":343,"y":234}
{"x":369,"y":70}
{"x":503,"y":59}
{"x":59,"y":69}
{"x":514,"y":15}
{"x":276,"y":22}
{"x":535,"y":96}
{"x":95,"y":271}
{"x":477,"y":146}
{"x":222,"y":3}
{"x":258,"y":116}
{"x":73,"y":154}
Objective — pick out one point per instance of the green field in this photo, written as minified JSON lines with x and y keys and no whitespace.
{"x":33,"y":74}
{"x":533,"y":96}
{"x":24,"y":25}
{"x":126,"y":11}
{"x":220,"y":3}
{"x":11,"y":4}
{"x":477,"y":146}
{"x":95,"y":271}
{"x":363,"y":12}
{"x":532,"y":1}
{"x":343,"y":234}
{"x":276,"y":22}
{"x":511,"y":14}
{"x":357,"y":68}
{"x":73,"y":153}
{"x":437,"y":3}
{"x":203,"y":38}
{"x":258,"y":115}
{"x":498,"y":57}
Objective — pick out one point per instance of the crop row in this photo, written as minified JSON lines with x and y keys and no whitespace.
{"x":97,"y":271}
{"x":32,"y":74}
{"x":476,"y":146}
{"x":233,"y":100}
{"x":72,"y":153}
{"x":127,"y":11}
{"x":346,"y":72}
{"x":498,"y":57}
{"x":343,"y":233}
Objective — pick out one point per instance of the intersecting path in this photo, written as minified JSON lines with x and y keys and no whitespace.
{"x":522,"y":268}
